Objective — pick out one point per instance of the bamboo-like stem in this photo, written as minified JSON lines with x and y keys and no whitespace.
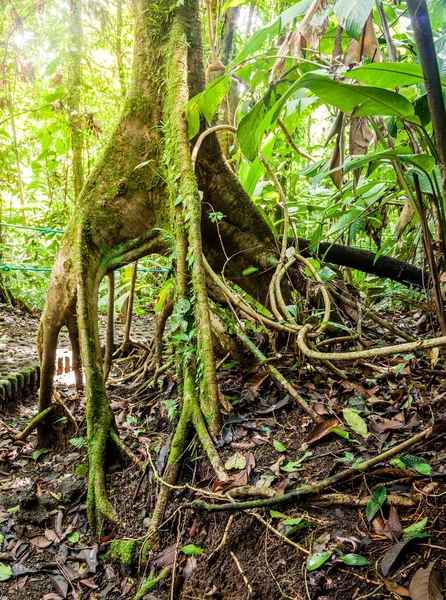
{"x":109,"y":338}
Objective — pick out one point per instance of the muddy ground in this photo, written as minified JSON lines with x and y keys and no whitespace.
{"x":374,"y":550}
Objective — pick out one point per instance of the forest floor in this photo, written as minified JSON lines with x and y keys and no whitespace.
{"x":371,"y":549}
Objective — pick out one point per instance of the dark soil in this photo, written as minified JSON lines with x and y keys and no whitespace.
{"x":52,"y":554}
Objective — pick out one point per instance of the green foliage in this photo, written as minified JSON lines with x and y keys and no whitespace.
{"x":315,"y":561}
{"x":37,"y":453}
{"x":375,"y":502}
{"x":5,"y":572}
{"x":356,"y":422}
{"x":78,"y":443}
{"x":191,"y":550}
{"x":352,"y":15}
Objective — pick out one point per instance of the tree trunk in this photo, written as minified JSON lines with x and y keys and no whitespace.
{"x":126,"y":211}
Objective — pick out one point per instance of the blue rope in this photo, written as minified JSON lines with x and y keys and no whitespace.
{"x":41,"y":229}
{"x":48,"y":270}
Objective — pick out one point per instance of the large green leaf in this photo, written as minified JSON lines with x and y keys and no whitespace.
{"x":213,"y":95}
{"x":346,"y":96}
{"x":400,"y":153}
{"x":256,"y":168}
{"x":352,"y":15}
{"x":389,"y":75}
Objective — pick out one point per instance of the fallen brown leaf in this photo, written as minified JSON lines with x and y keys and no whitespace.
{"x":41,"y":542}
{"x":321,"y":430}
{"x":395,"y":588}
{"x":426,"y":584}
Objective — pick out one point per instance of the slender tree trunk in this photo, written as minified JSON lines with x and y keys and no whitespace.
{"x":118,"y":48}
{"x":74,"y":96}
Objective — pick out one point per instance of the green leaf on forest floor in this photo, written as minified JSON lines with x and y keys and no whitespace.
{"x":356,"y":422}
{"x":354,"y":560}
{"x":81,"y":470}
{"x":5,"y":572}
{"x":2,"y":539}
{"x":294,"y":465}
{"x":235,"y":462}
{"x":375,"y":502}
{"x":191,"y":550}
{"x":249,"y":271}
{"x":279,"y":446}
{"x":73,"y":537}
{"x":39,"y":452}
{"x":343,"y":434}
{"x":415,"y":529}
{"x":275,"y":514}
{"x":317,"y":560}
{"x":424,"y":469}
{"x":350,"y":457}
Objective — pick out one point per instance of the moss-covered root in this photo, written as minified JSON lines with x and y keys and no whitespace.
{"x":100,"y":421}
{"x":152,"y":582}
{"x":38,"y":420}
{"x":76,"y":362}
{"x":170,"y":476}
{"x":97,"y":502}
{"x":126,"y":551}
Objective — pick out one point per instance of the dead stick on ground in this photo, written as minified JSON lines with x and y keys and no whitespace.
{"x":242,"y":573}
{"x":314,"y":489}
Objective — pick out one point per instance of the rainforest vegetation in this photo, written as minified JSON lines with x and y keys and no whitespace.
{"x":233,"y":215}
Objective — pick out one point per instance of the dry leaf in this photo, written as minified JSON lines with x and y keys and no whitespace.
{"x":392,"y":555}
{"x":41,"y":542}
{"x":367,"y":46}
{"x":395,"y":588}
{"x":406,"y":215}
{"x":307,"y":35}
{"x":426,"y":584}
{"x":321,"y":430}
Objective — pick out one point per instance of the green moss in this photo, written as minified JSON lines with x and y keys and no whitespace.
{"x":13,"y":380}
{"x":125,"y":550}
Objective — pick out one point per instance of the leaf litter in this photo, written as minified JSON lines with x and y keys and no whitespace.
{"x":266,"y":446}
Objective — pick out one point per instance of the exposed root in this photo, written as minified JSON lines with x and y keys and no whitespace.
{"x":35,"y":422}
{"x":308,"y":491}
{"x":125,"y":450}
{"x":152,"y":582}
{"x":368,"y":353}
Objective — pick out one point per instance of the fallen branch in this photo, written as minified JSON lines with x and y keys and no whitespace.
{"x":347,"y":500}
{"x":313,"y":489}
